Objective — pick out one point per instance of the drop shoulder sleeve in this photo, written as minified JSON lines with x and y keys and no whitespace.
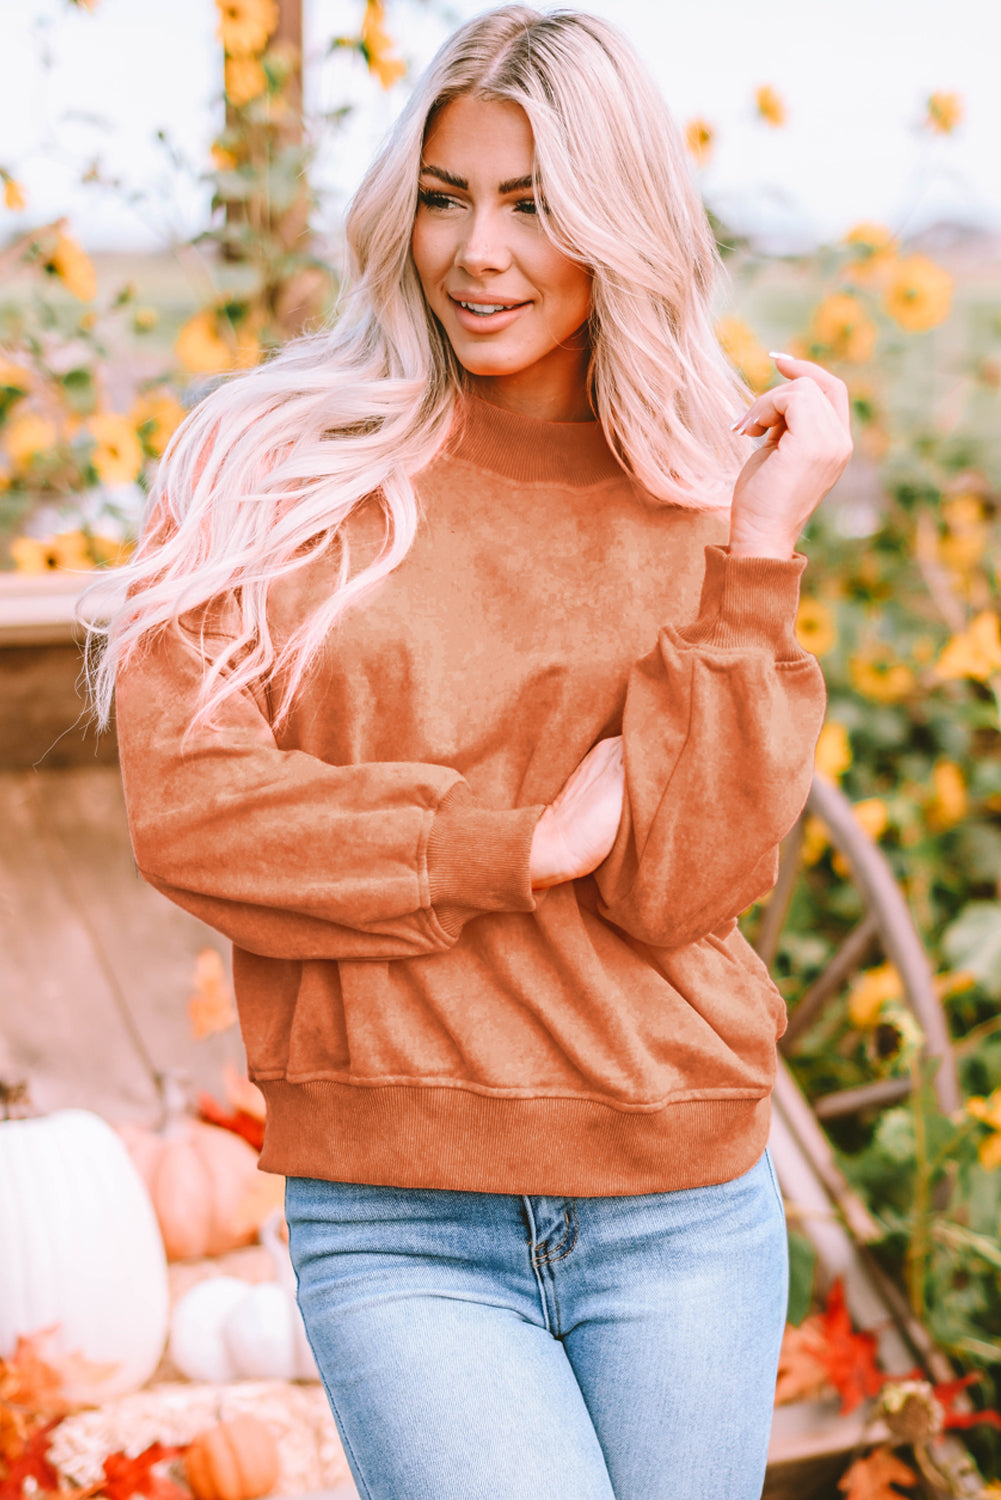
{"x":720,"y":724}
{"x":292,"y":857}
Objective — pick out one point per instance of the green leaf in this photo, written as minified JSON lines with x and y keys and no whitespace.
{"x":802,"y":1267}
{"x":973,"y":942}
{"x":80,"y":391}
{"x":957,"y":1237}
{"x":979,"y":848}
{"x":980,"y":1350}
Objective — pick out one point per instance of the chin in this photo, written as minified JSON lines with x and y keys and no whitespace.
{"x":486,"y":367}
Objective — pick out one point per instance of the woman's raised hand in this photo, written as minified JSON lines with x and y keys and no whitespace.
{"x":809,"y":442}
{"x":577,"y":830}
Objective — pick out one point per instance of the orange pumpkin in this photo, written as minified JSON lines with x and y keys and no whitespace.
{"x":234,"y":1460}
{"x":198,"y":1176}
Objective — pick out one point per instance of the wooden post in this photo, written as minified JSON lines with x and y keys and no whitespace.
{"x":292,"y":227}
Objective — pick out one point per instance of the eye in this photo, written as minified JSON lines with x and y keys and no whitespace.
{"x":526,"y":206}
{"x":431,"y":199}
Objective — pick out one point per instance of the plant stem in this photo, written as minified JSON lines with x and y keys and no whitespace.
{"x":917,"y":1249}
{"x":971,"y":1041}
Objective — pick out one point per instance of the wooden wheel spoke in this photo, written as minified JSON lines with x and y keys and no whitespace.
{"x":868,"y":1096}
{"x":847,"y":958}
{"x":887,"y":920}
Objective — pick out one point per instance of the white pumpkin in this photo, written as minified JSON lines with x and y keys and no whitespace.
{"x":225,"y":1329}
{"x":80,"y":1248}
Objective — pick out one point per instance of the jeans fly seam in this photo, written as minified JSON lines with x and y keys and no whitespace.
{"x":558,"y":1330}
{"x":571,"y":1218}
{"x":551,"y":1255}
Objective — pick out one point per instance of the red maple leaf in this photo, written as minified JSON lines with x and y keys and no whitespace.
{"x":239,"y":1121}
{"x":848,"y":1357}
{"x":945,"y":1395}
{"x":32,"y":1463}
{"x":126,"y":1476}
{"x":876,"y":1476}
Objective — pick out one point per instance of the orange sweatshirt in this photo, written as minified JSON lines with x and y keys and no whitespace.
{"x":415,"y":1015}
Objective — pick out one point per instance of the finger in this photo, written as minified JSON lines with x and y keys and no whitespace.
{"x":834,"y":389}
{"x":773,"y":406}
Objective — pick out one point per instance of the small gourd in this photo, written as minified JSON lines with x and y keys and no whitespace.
{"x":234,"y":1460}
{"x":198,"y":1176}
{"x":224,"y":1329}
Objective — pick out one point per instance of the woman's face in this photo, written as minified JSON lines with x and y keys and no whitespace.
{"x":514,"y":307}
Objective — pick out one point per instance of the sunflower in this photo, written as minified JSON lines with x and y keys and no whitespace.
{"x":377,"y":45}
{"x":28,"y":436}
{"x":71,"y":263}
{"x":117,"y":454}
{"x":974,"y":652}
{"x":833,"y":755}
{"x":68,"y":550}
{"x":988,"y":1111}
{"x":245,"y":25}
{"x":155,"y":415}
{"x":966,"y":540}
{"x":769,"y":105}
{"x":870,"y":992}
{"x":244,"y":80}
{"x":881,"y":676}
{"x":14,"y":196}
{"x":741,"y":347}
{"x":814,"y":840}
{"x":14,"y":376}
{"x":963,"y":548}
{"x":919,"y":294}
{"x":110,"y":549}
{"x":815,"y":627}
{"x":875,"y":252}
{"x":949,"y":802}
{"x":842,"y":325}
{"x":223,"y":159}
{"x":699,"y":137}
{"x":944,"y":112}
{"x":209,"y":344}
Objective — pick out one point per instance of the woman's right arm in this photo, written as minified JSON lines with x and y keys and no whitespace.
{"x":291,"y":857}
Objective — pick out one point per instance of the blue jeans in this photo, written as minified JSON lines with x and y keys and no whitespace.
{"x":486,"y":1346}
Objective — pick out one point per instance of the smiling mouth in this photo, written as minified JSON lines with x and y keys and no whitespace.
{"x":487,"y":309}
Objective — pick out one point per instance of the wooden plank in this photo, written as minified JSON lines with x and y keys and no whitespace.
{"x":147,"y":945}
{"x":41,"y":607}
{"x":60,"y":1021}
{"x":44,"y":723}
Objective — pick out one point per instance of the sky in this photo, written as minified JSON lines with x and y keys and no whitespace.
{"x":854,"y":76}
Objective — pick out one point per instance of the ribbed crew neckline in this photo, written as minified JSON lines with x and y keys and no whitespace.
{"x":530,"y":449}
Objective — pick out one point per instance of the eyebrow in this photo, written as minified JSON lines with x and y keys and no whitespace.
{"x":512,"y":185}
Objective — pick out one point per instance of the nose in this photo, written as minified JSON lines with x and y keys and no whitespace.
{"x":483,"y":247}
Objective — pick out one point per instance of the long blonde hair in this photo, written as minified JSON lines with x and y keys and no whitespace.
{"x":263,"y":472}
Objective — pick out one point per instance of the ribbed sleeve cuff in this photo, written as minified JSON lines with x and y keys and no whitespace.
{"x":478,"y":858}
{"x":748,"y":602}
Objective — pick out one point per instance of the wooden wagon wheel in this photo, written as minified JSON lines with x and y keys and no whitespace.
{"x":888,"y":923}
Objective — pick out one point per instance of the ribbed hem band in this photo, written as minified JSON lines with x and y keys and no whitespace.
{"x":423,"y":1136}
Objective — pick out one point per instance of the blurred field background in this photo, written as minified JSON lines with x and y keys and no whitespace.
{"x":103,"y":345}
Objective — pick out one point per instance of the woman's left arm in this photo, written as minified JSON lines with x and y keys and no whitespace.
{"x":721,"y":718}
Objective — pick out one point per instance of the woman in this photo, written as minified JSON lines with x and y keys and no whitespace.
{"x":457,"y":684}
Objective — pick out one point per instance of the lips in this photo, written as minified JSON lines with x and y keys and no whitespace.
{"x":486,"y":309}
{"x":489,"y":315}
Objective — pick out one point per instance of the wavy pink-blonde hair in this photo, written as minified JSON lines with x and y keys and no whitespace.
{"x":262,"y":474}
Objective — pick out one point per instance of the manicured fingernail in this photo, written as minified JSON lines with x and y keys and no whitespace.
{"x":777,"y":354}
{"x":739,"y":423}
